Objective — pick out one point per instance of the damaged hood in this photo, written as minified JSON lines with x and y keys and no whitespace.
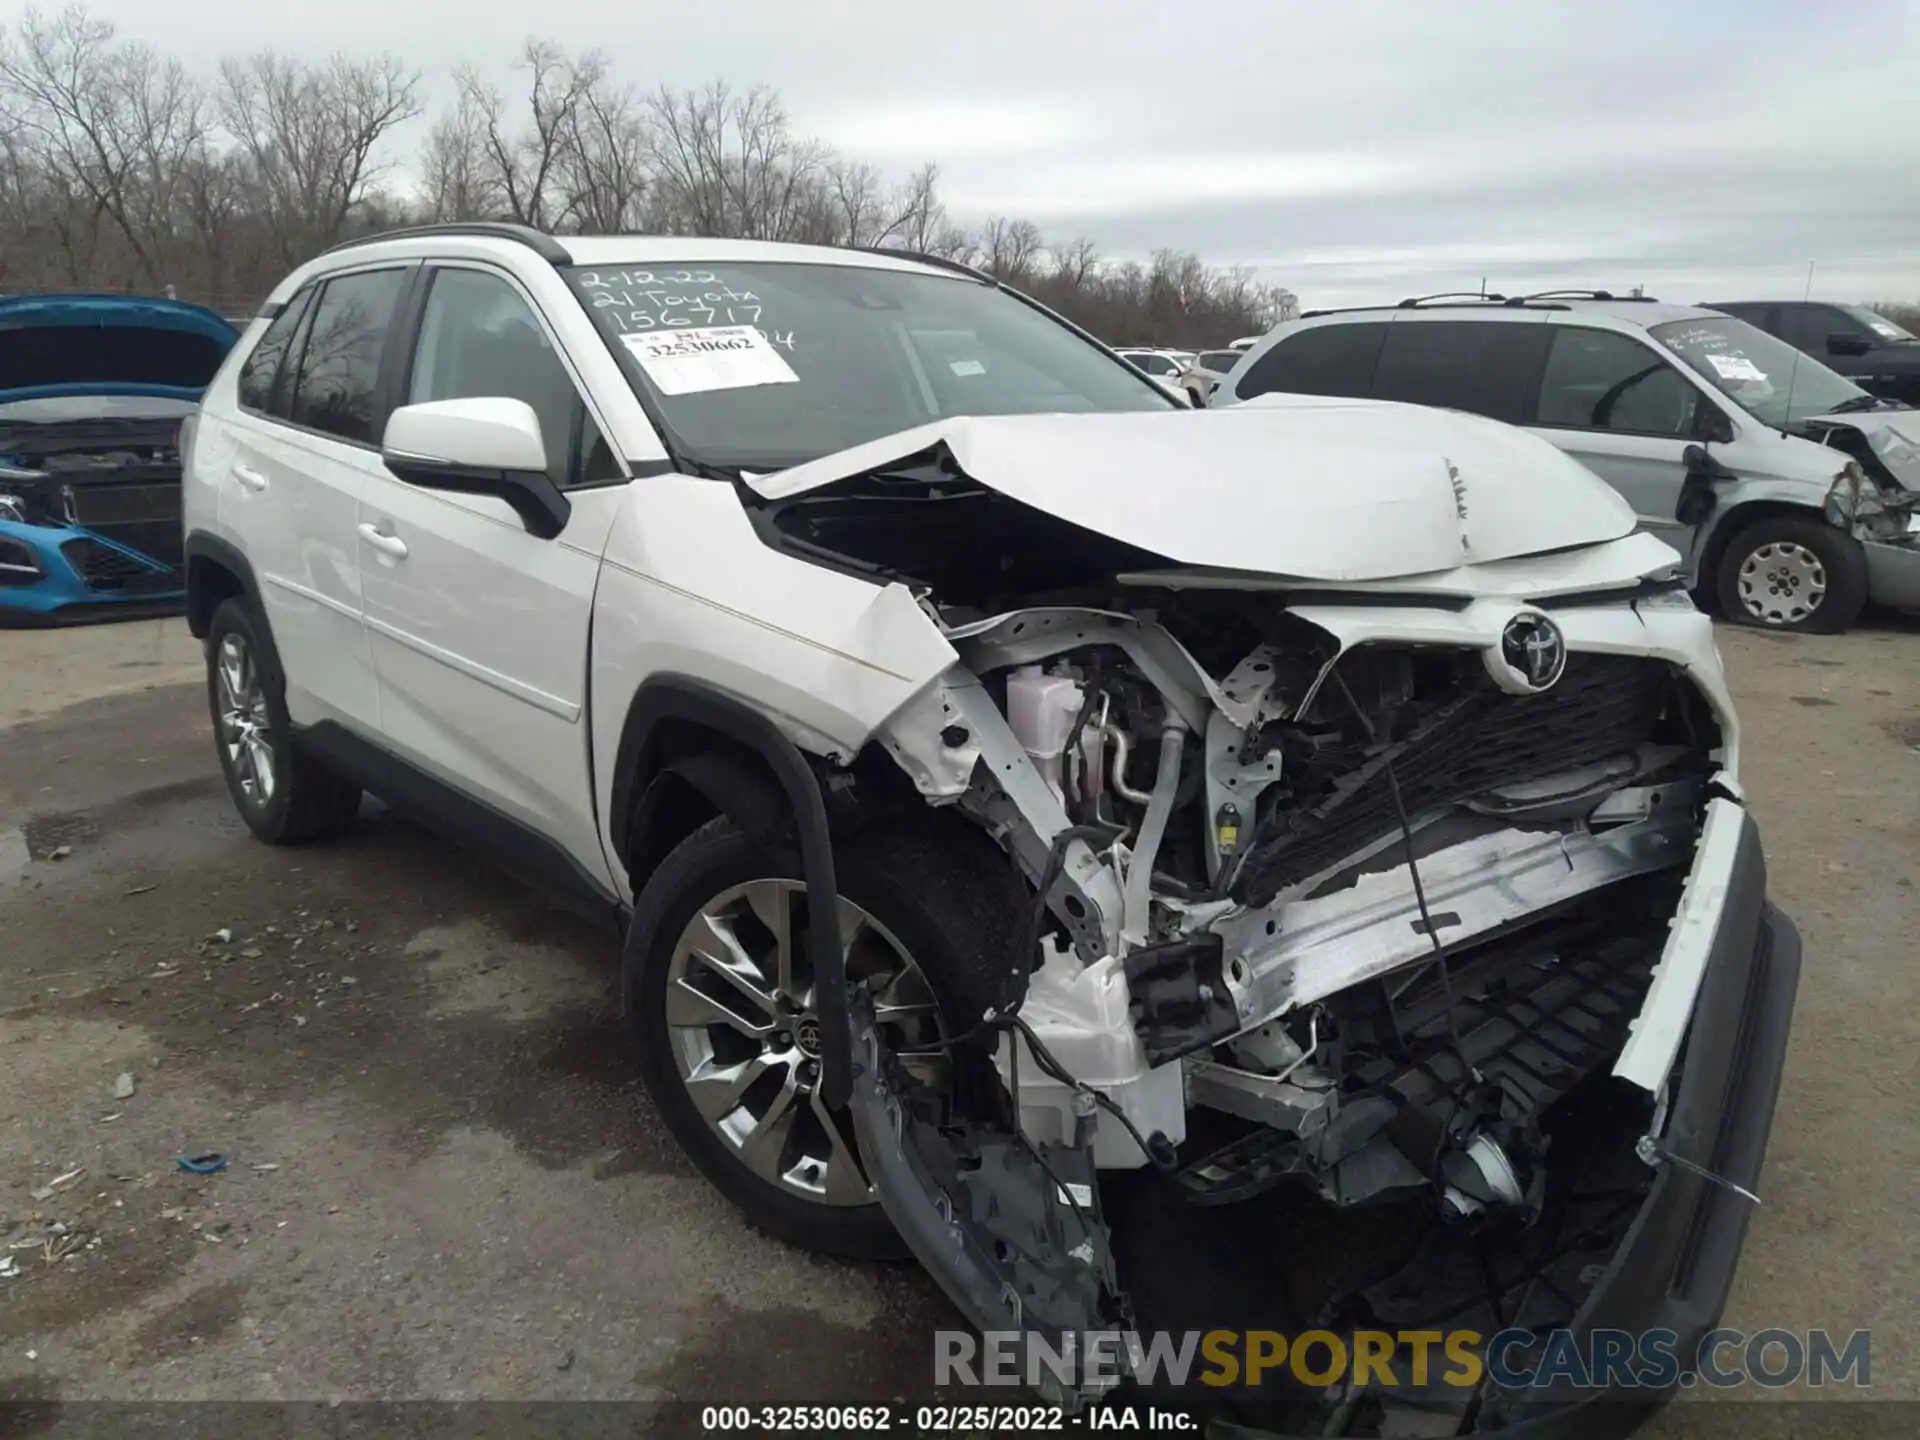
{"x":1306,"y":487}
{"x":1892,"y":435}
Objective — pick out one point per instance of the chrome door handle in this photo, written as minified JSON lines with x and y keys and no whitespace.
{"x":386,"y":544}
{"x":249,"y":477}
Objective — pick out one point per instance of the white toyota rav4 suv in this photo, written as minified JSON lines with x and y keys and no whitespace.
{"x":1316,"y":804}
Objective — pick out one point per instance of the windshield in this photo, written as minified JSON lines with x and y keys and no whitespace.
{"x":1881,"y":326}
{"x":1220,"y":361}
{"x":1767,"y":378}
{"x":765,"y":365}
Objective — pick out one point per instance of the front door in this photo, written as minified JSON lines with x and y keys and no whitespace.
{"x":1626,"y":412}
{"x":478,"y":629}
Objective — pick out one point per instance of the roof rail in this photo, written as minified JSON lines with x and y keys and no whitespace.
{"x":941,"y":262}
{"x":1414,"y":302}
{"x":538,"y":241}
{"x":1471,"y":301}
{"x":1581,"y":295}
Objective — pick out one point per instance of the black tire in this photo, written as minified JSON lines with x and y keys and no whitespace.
{"x":1843,"y":568}
{"x":941,"y":887}
{"x":305,"y":801}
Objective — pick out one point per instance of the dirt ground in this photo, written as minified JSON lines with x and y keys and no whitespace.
{"x":444,"y":1181}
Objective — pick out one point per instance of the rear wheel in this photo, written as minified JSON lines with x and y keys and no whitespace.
{"x":723,"y":1002}
{"x":285,"y":796}
{"x":1785,"y":573}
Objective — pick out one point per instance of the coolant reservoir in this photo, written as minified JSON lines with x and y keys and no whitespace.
{"x":1041,"y":710}
{"x":1080,"y":1014}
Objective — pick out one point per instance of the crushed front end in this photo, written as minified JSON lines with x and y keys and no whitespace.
{"x":1398,"y":965}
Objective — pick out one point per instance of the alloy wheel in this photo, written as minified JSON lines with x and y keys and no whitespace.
{"x":745,"y":1032}
{"x":1782,"y":583}
{"x":246,"y":731}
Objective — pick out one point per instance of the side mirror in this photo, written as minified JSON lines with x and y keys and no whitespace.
{"x":488,"y":446}
{"x":1842,"y":343}
{"x":1711,"y":425}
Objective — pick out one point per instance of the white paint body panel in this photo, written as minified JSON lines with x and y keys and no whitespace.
{"x":1325,"y":490}
{"x":690,"y":590}
{"x":298,"y":533}
{"x":479,"y":637}
{"x":1654,"y":1036}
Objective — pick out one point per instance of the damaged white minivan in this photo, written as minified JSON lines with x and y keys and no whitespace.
{"x":1288,"y":865}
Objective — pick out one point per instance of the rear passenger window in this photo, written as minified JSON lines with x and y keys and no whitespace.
{"x":336,"y":385}
{"x":263,"y":365}
{"x":1326,"y":360}
{"x":1597,"y":380}
{"x":1485,"y":367}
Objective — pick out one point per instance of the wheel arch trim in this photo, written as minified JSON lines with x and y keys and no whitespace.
{"x":738,"y":793}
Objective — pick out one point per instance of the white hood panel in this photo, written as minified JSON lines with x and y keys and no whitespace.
{"x":1318,"y":489}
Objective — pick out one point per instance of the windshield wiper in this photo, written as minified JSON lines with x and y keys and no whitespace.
{"x":1859,"y":403}
{"x":707,"y":470}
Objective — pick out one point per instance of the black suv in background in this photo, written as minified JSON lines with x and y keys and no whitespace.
{"x":1861,"y":344}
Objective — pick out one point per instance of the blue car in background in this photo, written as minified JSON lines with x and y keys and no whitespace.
{"x":93,"y":391}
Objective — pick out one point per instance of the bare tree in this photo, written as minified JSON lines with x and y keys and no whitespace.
{"x":311,"y":136}
{"x":457,"y":181}
{"x":728,"y":163}
{"x":109,"y":121}
{"x":111,"y":173}
{"x":523,"y":163}
{"x":604,"y":165}
{"x":1011,"y":248}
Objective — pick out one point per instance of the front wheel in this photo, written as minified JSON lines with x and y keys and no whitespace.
{"x":1786,"y":573}
{"x":723,"y":1005}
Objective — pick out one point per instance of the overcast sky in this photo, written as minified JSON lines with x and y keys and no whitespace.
{"x":1354,"y":150}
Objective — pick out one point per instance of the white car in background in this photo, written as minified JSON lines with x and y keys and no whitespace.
{"x":1202,"y":375}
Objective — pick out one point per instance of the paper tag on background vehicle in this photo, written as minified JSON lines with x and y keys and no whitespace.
{"x":1736,"y":367}
{"x":712,"y":357}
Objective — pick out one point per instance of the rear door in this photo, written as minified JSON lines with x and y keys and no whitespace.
{"x":305,"y":443}
{"x":478,"y":629}
{"x":1622,"y":408}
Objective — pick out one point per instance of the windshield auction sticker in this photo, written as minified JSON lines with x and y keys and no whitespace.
{"x":715,"y":357}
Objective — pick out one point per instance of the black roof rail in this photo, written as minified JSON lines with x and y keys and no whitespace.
{"x":1414,"y":302}
{"x":1583,"y":295}
{"x":538,"y":241}
{"x":941,"y":262}
{"x":1472,"y":301}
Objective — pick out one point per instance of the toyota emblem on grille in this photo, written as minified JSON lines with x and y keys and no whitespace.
{"x":1532,"y":655}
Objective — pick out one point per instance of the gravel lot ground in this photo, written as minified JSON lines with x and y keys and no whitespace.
{"x":445,"y":1181}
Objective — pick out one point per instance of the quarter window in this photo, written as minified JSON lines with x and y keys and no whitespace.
{"x":337,"y":386}
{"x":1325,"y":360}
{"x":479,"y":339}
{"x":1599,"y":380}
{"x":1484,"y":367}
{"x":262,"y":369}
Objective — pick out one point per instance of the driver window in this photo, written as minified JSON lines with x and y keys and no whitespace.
{"x":1598,"y":380}
{"x":478,"y":339}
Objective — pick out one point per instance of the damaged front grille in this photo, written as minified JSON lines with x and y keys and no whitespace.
{"x":1472,"y":739}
